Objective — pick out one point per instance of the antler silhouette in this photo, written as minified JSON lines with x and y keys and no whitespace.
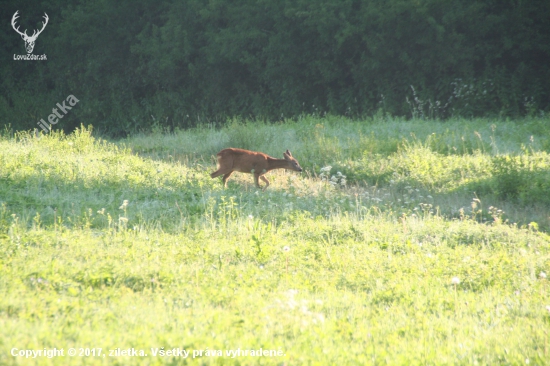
{"x":15,"y":16}
{"x":29,"y":41}
{"x":43,"y":26}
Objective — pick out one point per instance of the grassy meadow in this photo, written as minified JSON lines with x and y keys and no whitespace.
{"x":401,"y":243}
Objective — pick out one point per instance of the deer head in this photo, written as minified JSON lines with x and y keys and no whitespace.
{"x":29,"y":41}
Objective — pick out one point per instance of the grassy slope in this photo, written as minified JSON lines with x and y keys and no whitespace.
{"x":366,"y":279}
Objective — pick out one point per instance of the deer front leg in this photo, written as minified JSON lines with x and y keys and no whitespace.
{"x":256,"y":180}
{"x":266,"y":182}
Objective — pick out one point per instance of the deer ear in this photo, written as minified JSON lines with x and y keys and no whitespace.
{"x":288,"y":153}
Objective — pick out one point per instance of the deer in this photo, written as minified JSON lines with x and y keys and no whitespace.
{"x":245,"y":161}
{"x":29,"y":41}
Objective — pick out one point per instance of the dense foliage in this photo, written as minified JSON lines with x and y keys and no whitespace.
{"x":133,"y":63}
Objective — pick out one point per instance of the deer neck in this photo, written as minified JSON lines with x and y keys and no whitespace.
{"x":277,"y":163}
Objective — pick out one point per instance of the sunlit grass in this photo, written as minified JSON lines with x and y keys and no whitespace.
{"x":411,"y":255}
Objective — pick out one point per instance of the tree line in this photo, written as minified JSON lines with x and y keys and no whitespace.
{"x":137,"y":63}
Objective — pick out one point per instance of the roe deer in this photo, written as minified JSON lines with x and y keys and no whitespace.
{"x":245,"y":161}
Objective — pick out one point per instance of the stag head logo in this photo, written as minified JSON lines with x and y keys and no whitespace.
{"x":29,"y":40}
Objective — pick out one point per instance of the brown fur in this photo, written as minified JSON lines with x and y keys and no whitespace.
{"x":245,"y":161}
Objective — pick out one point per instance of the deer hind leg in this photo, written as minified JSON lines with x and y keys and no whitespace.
{"x":225,"y":178}
{"x":221,"y":169}
{"x":217,"y":173}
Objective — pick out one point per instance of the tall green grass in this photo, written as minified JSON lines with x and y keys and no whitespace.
{"x":505,"y":163}
{"x":131,"y":244}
